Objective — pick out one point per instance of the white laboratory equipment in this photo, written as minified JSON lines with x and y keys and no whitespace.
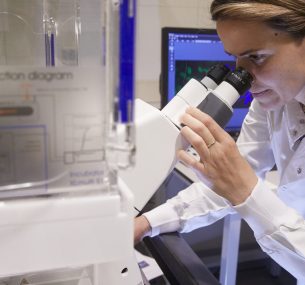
{"x":65,"y":216}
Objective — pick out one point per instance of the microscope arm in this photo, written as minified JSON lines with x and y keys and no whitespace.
{"x":157,"y":141}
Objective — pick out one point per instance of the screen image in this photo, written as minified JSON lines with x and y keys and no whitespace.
{"x":186,"y":69}
{"x":189,"y":53}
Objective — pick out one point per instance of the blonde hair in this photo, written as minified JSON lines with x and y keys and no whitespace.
{"x":283,"y":15}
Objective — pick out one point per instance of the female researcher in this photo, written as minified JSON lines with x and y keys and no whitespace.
{"x":267,"y":37}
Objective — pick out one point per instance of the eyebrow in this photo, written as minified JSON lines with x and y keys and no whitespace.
{"x":243,"y":53}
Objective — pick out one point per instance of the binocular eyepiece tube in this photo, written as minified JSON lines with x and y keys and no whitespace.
{"x":215,"y":94}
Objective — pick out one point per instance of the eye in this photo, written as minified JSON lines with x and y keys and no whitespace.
{"x":257,"y":58}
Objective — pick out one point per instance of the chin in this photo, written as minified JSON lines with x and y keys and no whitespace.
{"x":271,"y":105}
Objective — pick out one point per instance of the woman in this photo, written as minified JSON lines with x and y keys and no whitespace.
{"x":267,"y":37}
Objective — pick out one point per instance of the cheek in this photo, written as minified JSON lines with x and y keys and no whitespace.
{"x":279,"y":75}
{"x":268,"y":76}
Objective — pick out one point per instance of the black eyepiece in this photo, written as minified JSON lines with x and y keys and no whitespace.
{"x":218,"y":72}
{"x":240,"y":79}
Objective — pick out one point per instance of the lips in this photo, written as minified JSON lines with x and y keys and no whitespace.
{"x":258,"y":94}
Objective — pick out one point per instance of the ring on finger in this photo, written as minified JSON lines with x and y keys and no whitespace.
{"x":211,"y":143}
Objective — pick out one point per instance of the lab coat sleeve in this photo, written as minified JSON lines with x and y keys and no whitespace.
{"x":278,"y":229}
{"x":192,"y":208}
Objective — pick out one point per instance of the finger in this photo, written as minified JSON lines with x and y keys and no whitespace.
{"x":198,"y":167}
{"x":216,"y":131}
{"x":197,"y":142}
{"x":190,"y":161}
{"x":198,"y":127}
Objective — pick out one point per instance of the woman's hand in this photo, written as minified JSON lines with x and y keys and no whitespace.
{"x":141,"y":228}
{"x":221,"y":165}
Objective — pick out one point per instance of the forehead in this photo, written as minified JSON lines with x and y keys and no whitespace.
{"x":240,"y":36}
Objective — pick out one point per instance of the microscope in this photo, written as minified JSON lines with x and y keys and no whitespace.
{"x":158,"y":134}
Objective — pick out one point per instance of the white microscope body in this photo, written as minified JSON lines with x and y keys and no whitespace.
{"x":158,"y":132}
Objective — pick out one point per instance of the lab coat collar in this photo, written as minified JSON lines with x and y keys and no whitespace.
{"x":295,"y":118}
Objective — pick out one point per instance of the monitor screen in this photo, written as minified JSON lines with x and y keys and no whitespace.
{"x":189,"y":53}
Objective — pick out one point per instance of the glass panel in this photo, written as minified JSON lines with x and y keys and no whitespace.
{"x":56,"y":103}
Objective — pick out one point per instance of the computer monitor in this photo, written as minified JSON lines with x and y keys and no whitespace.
{"x":188,"y":53}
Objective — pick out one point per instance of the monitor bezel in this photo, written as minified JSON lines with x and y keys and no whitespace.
{"x":165,"y":31}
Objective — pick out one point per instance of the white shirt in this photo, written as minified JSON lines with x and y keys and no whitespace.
{"x":277,"y":219}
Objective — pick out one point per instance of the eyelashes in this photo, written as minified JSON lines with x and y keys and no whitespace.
{"x":257,"y":58}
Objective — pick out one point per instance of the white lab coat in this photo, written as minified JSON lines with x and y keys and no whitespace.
{"x":277,"y":219}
